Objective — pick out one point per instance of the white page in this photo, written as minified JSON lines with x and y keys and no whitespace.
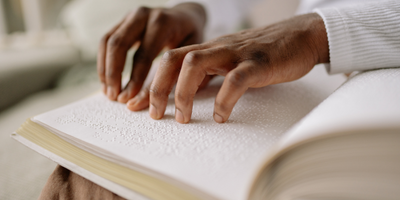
{"x":369,"y":100}
{"x":219,"y":159}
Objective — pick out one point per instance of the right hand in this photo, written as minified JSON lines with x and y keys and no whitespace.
{"x":253,"y":58}
{"x":154,"y":29}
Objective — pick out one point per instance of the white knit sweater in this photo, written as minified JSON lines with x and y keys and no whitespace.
{"x":362,"y":34}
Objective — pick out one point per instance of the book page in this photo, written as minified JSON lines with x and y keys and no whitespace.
{"x":369,"y":100}
{"x":218,"y":159}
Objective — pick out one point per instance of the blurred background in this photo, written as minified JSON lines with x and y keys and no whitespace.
{"x":48,"y":59}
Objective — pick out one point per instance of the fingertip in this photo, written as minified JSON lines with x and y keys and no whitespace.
{"x":123,"y":97}
{"x":111,"y":93}
{"x":132,"y":105}
{"x":137,"y":104}
{"x":153,"y":112}
{"x":218,"y":118}
{"x":132,"y":102}
{"x":179,"y":117}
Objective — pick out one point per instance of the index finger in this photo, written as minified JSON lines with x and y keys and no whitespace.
{"x":196,"y":65}
{"x":165,"y":78}
{"x":234,"y":86}
{"x":118,"y":45}
{"x":101,"y":56}
{"x":154,"y":39}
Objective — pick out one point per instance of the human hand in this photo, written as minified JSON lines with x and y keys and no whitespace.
{"x":252,"y":58}
{"x":154,"y":29}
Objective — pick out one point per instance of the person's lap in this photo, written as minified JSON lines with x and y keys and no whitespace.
{"x":64,"y":184}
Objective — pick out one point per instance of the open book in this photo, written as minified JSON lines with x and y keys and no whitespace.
{"x":272,"y":147}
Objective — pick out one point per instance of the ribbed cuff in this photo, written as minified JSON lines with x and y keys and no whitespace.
{"x":363,"y":36}
{"x":340,"y":53}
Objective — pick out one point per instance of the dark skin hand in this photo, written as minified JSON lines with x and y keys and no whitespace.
{"x":153,"y":29}
{"x":252,"y":58}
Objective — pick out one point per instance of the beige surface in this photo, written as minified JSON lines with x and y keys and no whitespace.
{"x":272,"y":11}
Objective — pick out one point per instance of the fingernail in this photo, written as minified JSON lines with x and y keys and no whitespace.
{"x":132,"y":102}
{"x":122,"y":97}
{"x":111,"y":93}
{"x":218,"y":118}
{"x":153,"y":112}
{"x":179,"y":116}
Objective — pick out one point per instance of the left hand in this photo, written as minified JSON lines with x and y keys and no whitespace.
{"x":152,"y":29}
{"x":252,"y":58}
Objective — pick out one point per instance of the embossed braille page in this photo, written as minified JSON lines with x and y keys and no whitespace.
{"x":219,"y":159}
{"x":369,"y":100}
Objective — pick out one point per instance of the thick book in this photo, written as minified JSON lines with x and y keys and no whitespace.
{"x":320,"y":137}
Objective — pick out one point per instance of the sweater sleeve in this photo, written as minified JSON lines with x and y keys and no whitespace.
{"x":363,"y":36}
{"x":223,"y":16}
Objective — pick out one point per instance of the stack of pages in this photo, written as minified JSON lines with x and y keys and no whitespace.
{"x":320,"y":137}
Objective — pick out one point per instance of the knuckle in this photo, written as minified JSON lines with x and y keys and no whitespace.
{"x":111,"y":74}
{"x":145,"y":91}
{"x":142,"y":10}
{"x":169,"y":55}
{"x":157,"y":92}
{"x":159,"y":16}
{"x":180,"y":97}
{"x":237,"y":78}
{"x":104,"y":39}
{"x":117,"y":41}
{"x":192,"y":58}
{"x":184,"y":98}
{"x":221,"y":107}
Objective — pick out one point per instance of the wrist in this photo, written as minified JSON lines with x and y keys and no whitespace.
{"x":319,"y":38}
